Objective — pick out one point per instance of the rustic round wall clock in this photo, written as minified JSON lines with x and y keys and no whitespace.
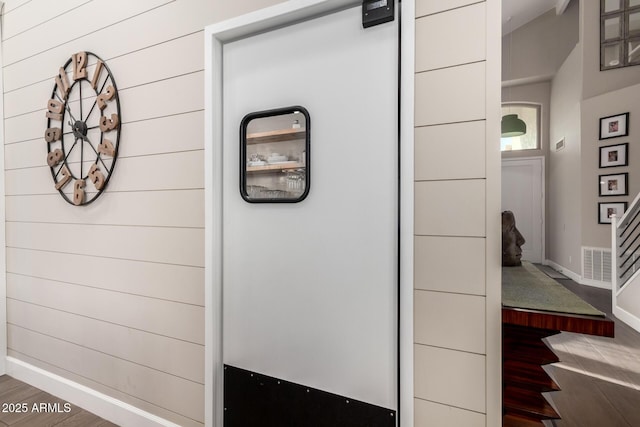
{"x":83,"y":128}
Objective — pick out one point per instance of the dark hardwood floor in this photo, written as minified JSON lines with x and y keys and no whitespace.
{"x":22,"y":405}
{"x":599,"y":377}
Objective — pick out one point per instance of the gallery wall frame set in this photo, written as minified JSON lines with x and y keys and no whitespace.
{"x":611,"y":156}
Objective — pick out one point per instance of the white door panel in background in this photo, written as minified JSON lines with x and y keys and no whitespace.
{"x":310,"y":288}
{"x":522,"y":193}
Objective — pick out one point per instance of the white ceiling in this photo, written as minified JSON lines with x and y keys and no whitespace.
{"x":516,"y":13}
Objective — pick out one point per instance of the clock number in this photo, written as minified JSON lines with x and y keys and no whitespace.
{"x":106,"y":147}
{"x":96,"y":74}
{"x":79,"y":65}
{"x":96,"y":177}
{"x":78,"y":192}
{"x":66,"y":177}
{"x":55,"y":109}
{"x":62,"y":83}
{"x":105,"y":96}
{"x":109,"y":124}
{"x":52,"y":134}
{"x":54,"y":157}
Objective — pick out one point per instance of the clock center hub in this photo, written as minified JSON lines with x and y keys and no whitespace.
{"x":80,"y":127}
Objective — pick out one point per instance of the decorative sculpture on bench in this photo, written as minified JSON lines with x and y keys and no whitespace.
{"x":512,"y":241}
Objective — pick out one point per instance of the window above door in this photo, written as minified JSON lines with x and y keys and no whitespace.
{"x":530,"y":114}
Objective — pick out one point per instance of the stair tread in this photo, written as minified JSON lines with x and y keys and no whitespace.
{"x":534,"y":352}
{"x":530,"y":403}
{"x":511,"y":420}
{"x":528,"y":375}
{"x":527,"y":332}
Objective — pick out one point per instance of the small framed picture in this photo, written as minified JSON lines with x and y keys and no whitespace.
{"x":614,"y":126}
{"x":606,"y":210}
{"x":613,"y":185}
{"x":614,"y":155}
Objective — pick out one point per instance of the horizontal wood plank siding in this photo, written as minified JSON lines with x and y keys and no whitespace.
{"x":150,"y":279}
{"x":171,"y":21}
{"x":166,"y":391}
{"x":159,"y":352}
{"x":111,"y":295}
{"x":11,"y":5}
{"x":35,"y":13}
{"x":157,"y":99}
{"x":75,"y":24}
{"x":133,"y":69}
{"x":454,"y":269}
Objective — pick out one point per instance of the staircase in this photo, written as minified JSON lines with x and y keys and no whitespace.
{"x":625,"y":253}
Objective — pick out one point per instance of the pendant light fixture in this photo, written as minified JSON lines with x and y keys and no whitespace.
{"x":511,"y":125}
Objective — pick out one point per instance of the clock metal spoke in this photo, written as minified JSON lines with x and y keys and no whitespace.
{"x":100,"y":91}
{"x":80,"y":88}
{"x":94,"y":127}
{"x":66,"y":106}
{"x":88,"y":117}
{"x":66,"y":157}
{"x":99,"y":157}
{"x":82,"y":154}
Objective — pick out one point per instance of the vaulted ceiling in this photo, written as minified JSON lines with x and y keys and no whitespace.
{"x":516,"y":13}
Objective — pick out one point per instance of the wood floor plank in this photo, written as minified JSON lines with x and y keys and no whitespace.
{"x":82,"y":419}
{"x":17,"y":394}
{"x":8,"y":383}
{"x":625,"y":402}
{"x":581,"y":403}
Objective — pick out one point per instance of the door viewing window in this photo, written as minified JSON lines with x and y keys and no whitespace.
{"x":274,"y":155}
{"x":530,"y":114}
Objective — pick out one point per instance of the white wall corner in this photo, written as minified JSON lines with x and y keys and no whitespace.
{"x":493,"y":327}
{"x":3,"y":245}
{"x":407,"y":88}
{"x":561,"y":6}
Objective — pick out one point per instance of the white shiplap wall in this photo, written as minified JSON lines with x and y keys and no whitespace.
{"x":111,"y":295}
{"x":457,"y":211}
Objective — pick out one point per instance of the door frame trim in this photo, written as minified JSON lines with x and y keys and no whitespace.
{"x":3,"y":240}
{"x":216,"y":35}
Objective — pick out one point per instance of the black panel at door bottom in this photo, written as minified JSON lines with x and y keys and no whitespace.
{"x":256,"y":400}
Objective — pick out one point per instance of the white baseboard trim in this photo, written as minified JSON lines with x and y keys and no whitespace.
{"x":113,"y":410}
{"x":596,"y":284}
{"x":576,"y":277}
{"x":560,"y":269}
{"x":627,"y":318}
